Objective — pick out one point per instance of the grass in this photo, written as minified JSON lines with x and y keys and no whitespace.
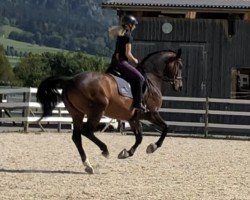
{"x":27,"y":47}
{"x":5,"y":30}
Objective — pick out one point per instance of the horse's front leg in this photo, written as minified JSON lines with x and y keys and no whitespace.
{"x":155,"y":118}
{"x":137,"y":129}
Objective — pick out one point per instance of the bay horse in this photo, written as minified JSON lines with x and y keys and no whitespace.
{"x":94,"y":94}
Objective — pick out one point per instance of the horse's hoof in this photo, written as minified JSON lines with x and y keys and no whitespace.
{"x":105,"y":154}
{"x":151,"y":148}
{"x":89,"y":170}
{"x":124,"y":154}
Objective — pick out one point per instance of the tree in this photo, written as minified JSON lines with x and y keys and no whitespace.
{"x":54,"y":41}
{"x":38,"y":38}
{"x":6,"y":72}
{"x":31,"y":70}
{"x":24,"y":37}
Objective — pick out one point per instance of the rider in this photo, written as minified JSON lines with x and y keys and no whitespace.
{"x":125,"y":60}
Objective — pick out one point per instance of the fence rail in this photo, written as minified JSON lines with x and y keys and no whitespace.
{"x":19,"y":105}
{"x":30,"y":111}
{"x":208,"y":112}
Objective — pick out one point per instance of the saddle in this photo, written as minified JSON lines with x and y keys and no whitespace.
{"x":124,"y":87}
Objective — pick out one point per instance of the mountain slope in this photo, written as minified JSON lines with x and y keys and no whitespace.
{"x":68,"y":24}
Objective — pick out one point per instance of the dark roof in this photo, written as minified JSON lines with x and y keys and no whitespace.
{"x":223,"y":4}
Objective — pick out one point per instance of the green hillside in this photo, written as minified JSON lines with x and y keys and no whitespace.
{"x":79,"y":25}
{"x":26,"y":47}
{"x":18,"y":46}
{"x":5,"y":30}
{"x":21,"y":46}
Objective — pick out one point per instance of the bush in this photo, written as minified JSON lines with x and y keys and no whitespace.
{"x":24,"y":37}
{"x":6,"y":72}
{"x":34,"y":68}
{"x":31,"y":70}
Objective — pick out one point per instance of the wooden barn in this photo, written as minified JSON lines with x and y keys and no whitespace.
{"x":214,"y":36}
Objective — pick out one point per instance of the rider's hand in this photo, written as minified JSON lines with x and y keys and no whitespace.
{"x":136,"y":61}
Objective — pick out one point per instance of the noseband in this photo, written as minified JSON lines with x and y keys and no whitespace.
{"x":177,"y":75}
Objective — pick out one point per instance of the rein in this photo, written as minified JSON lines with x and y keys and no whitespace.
{"x":164,"y":77}
{"x":167,"y":79}
{"x":177,"y":75}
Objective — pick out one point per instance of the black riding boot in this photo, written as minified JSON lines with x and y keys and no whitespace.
{"x":137,"y":94}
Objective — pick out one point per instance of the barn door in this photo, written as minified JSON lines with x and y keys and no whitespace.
{"x":195,"y":70}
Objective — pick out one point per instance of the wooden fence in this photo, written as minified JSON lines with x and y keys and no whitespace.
{"x":208,"y":112}
{"x":28,"y":111}
{"x":20,"y":106}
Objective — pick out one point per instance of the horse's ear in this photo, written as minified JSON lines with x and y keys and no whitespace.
{"x":178,"y":54}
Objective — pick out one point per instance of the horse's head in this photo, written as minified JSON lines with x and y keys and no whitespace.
{"x":173,"y":71}
{"x":166,"y":66}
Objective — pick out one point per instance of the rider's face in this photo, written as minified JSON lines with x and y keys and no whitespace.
{"x":133,"y":27}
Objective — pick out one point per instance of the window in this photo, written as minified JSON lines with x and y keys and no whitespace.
{"x":240,"y":86}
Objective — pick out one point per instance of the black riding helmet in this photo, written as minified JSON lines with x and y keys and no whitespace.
{"x":129,"y":20}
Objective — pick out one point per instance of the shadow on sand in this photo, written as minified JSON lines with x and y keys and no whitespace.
{"x":2,"y":170}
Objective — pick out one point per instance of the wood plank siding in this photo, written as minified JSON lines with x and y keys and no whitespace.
{"x":209,"y":52}
{"x":212,"y":48}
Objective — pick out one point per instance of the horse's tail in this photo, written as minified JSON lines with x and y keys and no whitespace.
{"x":48,"y":94}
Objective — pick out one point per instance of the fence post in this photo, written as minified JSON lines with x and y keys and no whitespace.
{"x":26,"y":112}
{"x":206,"y":117}
{"x":59,"y":128}
{"x":1,"y":110}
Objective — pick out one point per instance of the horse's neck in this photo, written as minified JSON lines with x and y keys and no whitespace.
{"x":155,"y":67}
{"x":154,"y":88}
{"x":156,"y":81}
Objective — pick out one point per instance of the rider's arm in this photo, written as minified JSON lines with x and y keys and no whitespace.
{"x":129,"y":54}
{"x":117,"y":56}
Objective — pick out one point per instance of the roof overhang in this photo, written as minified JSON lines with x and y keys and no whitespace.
{"x":179,"y":7}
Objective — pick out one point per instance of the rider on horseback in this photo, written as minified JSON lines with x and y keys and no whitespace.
{"x":125,"y":60}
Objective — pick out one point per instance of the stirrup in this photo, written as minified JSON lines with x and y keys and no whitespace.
{"x":140,"y":107}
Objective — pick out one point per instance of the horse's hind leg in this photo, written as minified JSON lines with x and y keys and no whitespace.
{"x":92,"y":123}
{"x":156,"y":119}
{"x":77,"y":131}
{"x":137,"y":129}
{"x":76,"y":137}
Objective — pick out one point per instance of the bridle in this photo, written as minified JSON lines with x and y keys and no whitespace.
{"x":164,"y":77}
{"x":177,"y":74}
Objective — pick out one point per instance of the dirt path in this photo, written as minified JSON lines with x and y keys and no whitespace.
{"x":47,"y":166}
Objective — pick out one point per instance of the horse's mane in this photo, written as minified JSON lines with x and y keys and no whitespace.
{"x":153,"y":53}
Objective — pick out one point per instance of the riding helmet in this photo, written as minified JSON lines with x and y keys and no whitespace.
{"x":129,"y":20}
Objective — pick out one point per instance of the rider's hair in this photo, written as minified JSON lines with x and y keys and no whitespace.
{"x":115,"y":31}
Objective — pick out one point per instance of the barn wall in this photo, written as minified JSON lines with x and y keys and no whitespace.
{"x":209,"y":52}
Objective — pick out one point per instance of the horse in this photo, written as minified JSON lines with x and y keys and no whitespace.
{"x":94,"y":94}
